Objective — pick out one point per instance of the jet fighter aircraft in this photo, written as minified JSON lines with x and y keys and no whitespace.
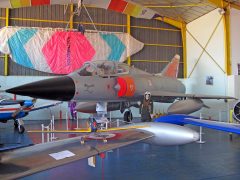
{"x":17,"y":109}
{"x":108,"y":82}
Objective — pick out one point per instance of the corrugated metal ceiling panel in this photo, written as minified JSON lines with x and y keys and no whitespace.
{"x":181,"y":10}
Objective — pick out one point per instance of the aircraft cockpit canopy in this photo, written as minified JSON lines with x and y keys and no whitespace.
{"x":103,"y":68}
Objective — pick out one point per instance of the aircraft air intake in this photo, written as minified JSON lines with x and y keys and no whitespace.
{"x":236,"y":111}
{"x":60,"y":88}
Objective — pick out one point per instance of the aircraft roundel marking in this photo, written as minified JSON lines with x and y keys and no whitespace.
{"x":127,"y":86}
{"x":101,"y":136}
{"x":109,"y":136}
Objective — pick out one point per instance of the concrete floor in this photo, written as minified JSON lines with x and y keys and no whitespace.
{"x":218,"y":159}
{"x":11,"y":139}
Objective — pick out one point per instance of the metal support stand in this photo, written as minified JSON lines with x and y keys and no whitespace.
{"x":117,"y":122}
{"x":106,"y":125}
{"x":110,"y":119}
{"x":53,"y":129}
{"x":66,"y":121}
{"x":200,"y":132}
{"x":48,"y":135}
{"x":43,"y":138}
{"x":101,"y":118}
{"x":200,"y":136}
{"x":50,"y":127}
{"x":51,"y":134}
{"x":77,"y":121}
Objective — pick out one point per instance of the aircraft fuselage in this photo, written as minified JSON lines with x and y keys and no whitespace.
{"x":7,"y":111}
{"x":91,"y":88}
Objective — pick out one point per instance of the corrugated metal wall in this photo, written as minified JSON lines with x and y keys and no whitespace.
{"x":162,"y":41}
{"x":103,"y":20}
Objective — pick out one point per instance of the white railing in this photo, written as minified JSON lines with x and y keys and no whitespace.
{"x":50,"y":127}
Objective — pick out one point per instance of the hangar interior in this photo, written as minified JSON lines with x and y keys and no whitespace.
{"x":197,"y":31}
{"x":204,"y":33}
{"x":161,"y":40}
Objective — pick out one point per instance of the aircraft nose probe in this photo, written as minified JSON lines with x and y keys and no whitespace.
{"x":59,"y":88}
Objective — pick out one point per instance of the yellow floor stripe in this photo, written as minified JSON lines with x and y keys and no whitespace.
{"x":62,"y":131}
{"x":123,"y":128}
{"x":88,"y":130}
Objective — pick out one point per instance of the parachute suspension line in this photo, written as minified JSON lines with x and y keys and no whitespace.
{"x":65,"y":9}
{"x":89,"y":17}
{"x":80,"y":4}
{"x":78,"y":12}
{"x":72,"y":13}
{"x":80,"y":27}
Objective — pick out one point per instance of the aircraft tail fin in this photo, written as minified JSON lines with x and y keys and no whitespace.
{"x":171,"y":70}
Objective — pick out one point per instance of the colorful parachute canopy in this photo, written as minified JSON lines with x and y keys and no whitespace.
{"x":122,"y":6}
{"x":61,"y":52}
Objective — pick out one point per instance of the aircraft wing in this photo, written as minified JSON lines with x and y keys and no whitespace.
{"x":27,"y":161}
{"x":222,"y":126}
{"x":157,"y":94}
{"x":4,"y":102}
{"x":211,"y":124}
{"x":44,"y":106}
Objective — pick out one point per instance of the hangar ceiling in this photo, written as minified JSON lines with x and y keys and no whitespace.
{"x":185,"y":10}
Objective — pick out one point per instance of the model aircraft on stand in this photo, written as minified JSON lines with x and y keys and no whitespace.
{"x":17,"y":109}
{"x":165,"y":131}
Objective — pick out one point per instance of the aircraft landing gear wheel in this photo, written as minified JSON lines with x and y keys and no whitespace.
{"x":21,"y":129}
{"x":128,"y":116}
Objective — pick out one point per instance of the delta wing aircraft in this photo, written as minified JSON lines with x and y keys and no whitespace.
{"x":108,"y":85}
{"x":19,"y":163}
{"x":167,"y":130}
{"x":104,"y":83}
